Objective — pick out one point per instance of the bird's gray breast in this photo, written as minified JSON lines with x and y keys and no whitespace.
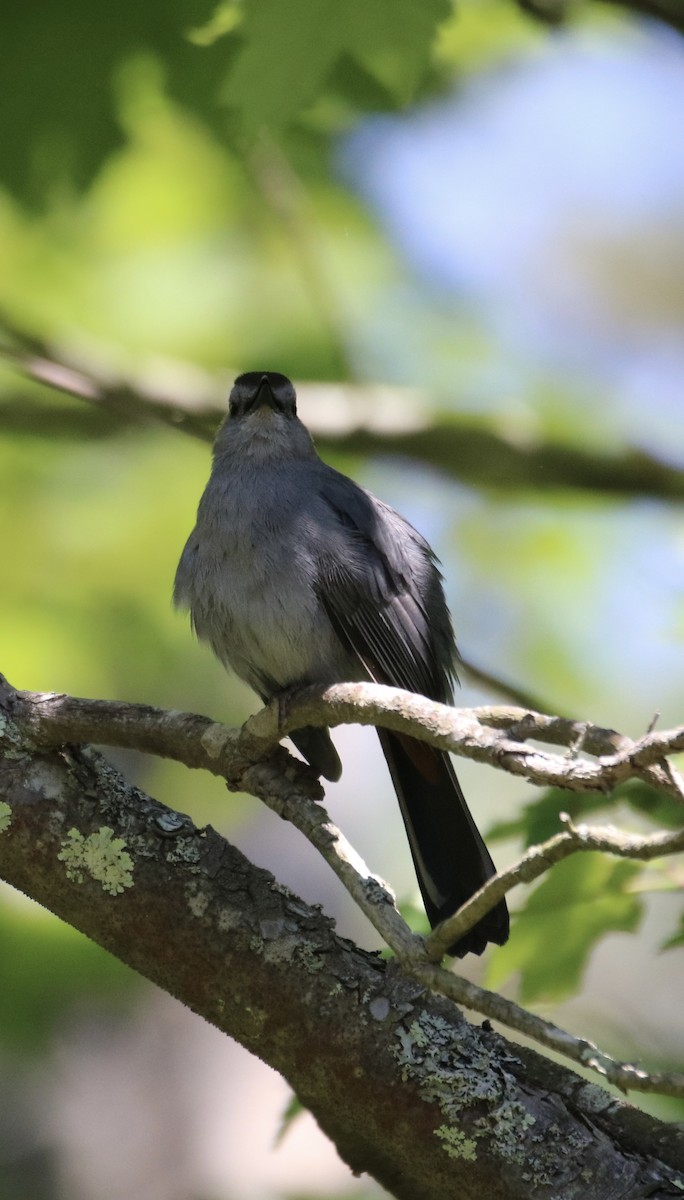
{"x":249,"y":576}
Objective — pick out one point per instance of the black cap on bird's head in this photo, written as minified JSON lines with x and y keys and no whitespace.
{"x":262,"y":389}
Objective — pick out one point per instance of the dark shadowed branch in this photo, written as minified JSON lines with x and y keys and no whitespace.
{"x":362,"y":419}
{"x":557,"y":12}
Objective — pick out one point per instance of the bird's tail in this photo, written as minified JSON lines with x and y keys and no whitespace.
{"x":451,"y":859}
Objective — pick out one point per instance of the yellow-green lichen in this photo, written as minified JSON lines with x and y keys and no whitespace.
{"x":508,"y":1122}
{"x":100,"y":855}
{"x":5,"y":816}
{"x":456,"y":1144}
{"x":476,"y":1097}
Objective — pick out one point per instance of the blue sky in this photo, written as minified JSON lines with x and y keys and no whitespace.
{"x":548,"y":198}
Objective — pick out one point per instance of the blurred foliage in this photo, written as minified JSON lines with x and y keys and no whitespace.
{"x":290,"y":56}
{"x":243,"y":66}
{"x":293,"y":1109}
{"x":677,"y":938}
{"x":59,"y":82}
{"x":558,"y":908}
{"x":173,"y":203}
{"x":538,"y":820}
{"x":52,"y":969}
{"x":581,"y":900}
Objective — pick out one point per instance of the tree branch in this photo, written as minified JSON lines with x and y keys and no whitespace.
{"x":557,"y":12}
{"x":249,"y":762}
{"x":538,"y":860}
{"x":360,"y":419}
{"x":427,"y":1104}
{"x":495,"y":735}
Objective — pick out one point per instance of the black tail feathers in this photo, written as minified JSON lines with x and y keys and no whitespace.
{"x":450,"y":857}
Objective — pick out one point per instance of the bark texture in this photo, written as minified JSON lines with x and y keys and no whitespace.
{"x":407,"y":1089}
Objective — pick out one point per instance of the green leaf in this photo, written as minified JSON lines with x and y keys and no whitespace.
{"x":293,"y":1109}
{"x":677,"y":938}
{"x":539,"y":820}
{"x":660,"y":809}
{"x":582,"y":899}
{"x":58,"y":94}
{"x":290,"y":50}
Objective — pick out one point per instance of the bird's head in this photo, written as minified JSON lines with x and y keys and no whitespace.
{"x":262,"y":422}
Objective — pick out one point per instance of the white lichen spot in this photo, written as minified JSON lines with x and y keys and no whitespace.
{"x":5,"y":816}
{"x":461,"y":1077}
{"x":198,"y":904}
{"x":280,"y":950}
{"x":456,"y":1144}
{"x":100,"y":855}
{"x":309,"y":958}
{"x":508,"y":1123}
{"x":594,"y":1099}
{"x":3,"y":724}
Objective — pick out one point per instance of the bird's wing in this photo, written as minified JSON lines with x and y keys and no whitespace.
{"x":382,"y":590}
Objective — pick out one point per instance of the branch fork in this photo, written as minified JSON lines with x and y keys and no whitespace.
{"x":250,"y":759}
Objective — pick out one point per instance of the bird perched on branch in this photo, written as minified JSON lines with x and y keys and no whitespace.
{"x":295,"y":575}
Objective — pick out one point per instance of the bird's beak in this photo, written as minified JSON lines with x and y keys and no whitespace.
{"x":263,"y":397}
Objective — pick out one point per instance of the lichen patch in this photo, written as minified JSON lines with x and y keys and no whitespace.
{"x":100,"y":855}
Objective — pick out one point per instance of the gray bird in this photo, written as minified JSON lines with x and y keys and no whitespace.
{"x":295,"y":575}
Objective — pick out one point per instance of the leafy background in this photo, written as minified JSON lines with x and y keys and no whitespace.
{"x":484,"y":216}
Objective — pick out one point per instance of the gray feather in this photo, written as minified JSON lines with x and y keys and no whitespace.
{"x":295,"y":575}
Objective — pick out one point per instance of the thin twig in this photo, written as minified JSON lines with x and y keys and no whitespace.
{"x":295,"y":794}
{"x":537,"y":860}
{"x":625,"y":1076}
{"x":290,"y":789}
{"x":497,"y":736}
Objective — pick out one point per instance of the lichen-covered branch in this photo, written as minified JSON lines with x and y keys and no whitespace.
{"x":407,"y":1090}
{"x":248,"y":760}
{"x":496,"y":735}
{"x":628,"y":1077}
